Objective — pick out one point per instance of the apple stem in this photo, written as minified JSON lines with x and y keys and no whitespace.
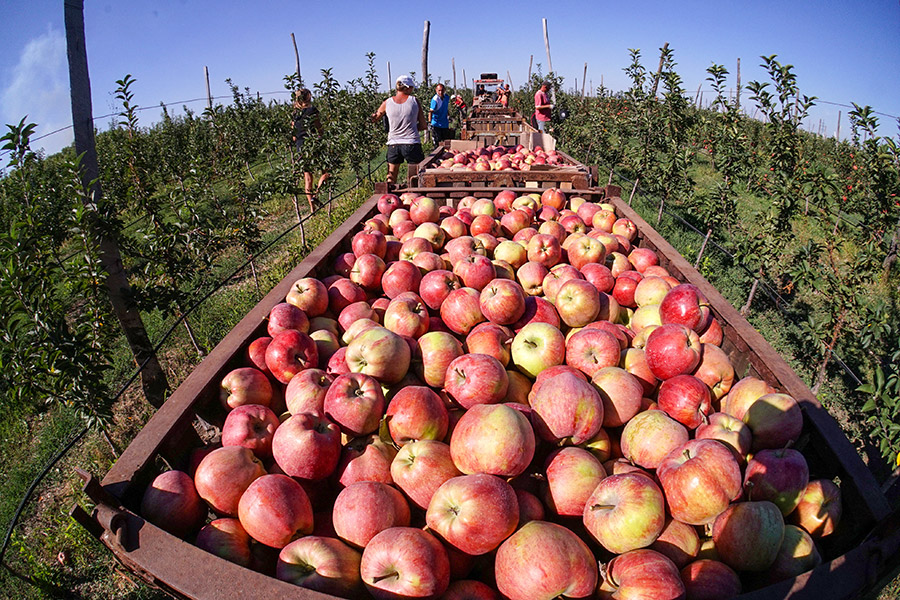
{"x":382,"y":577}
{"x":603,"y":506}
{"x":687,"y":454}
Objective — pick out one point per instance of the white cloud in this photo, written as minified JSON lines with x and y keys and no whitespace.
{"x":39,"y":90}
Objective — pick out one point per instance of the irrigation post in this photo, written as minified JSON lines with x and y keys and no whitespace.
{"x":465,"y":81}
{"x":583,"y":80}
{"x":837,"y":133}
{"x":662,"y":60}
{"x":509,"y":79}
{"x":453,"y":66}
{"x":208,"y":92}
{"x":738,"y":96}
{"x":425,"y":53}
{"x":530,"y":62}
{"x":549,"y":61}
{"x":391,"y":82}
{"x":153,"y":379}
{"x":297,"y":60}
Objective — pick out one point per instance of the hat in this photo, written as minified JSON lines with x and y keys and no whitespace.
{"x":406,"y":81}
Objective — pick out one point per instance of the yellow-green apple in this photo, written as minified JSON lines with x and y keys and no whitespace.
{"x":251,"y":426}
{"x":405,"y":562}
{"x":645,"y":316}
{"x":708,"y":579}
{"x":224,"y":474}
{"x":414,"y":246}
{"x":364,"y":509}
{"x":544,"y":249}
{"x":678,"y":541}
{"x":431,"y":232}
{"x":368,"y":241}
{"x":527,"y":201}
{"x":744,"y":393}
{"x":748,"y":535}
{"x":686,"y":399}
{"x":618,"y":263}
{"x":307,"y":446}
{"x":650,"y":436}
{"x":379,"y":353}
{"x":775,"y":421}
{"x":309,"y":295}
{"x":245,"y":385}
{"x":420,"y":468}
{"x":685,"y":305}
{"x":634,"y":360}
{"x":820,"y":508}
{"x":492,"y":438}
{"x":571,"y":473}
{"x":531,"y":277}
{"x":341,"y":293}
{"x":367,"y":272}
{"x":227,"y":539}
{"x":461,"y":310}
{"x":407,"y":315}
{"x":424,"y":210}
{"x":502,"y":301}
{"x":355,"y":403}
{"x":356,"y":328}
{"x":672,"y":350}
{"x":625,"y":512}
{"x":620,"y":392}
{"x":323,"y":564}
{"x":603,"y":220}
{"x":715,"y":370}
{"x":417,"y":413}
{"x":651,"y":290}
{"x":327,"y":343}
{"x":171,"y":502}
{"x":626,"y":228}
{"x":401,"y":276}
{"x":434,"y":352}
{"x":491,"y":339}
{"x":536,"y":347}
{"x":644,"y":574}
{"x":590,"y":350}
{"x":397,"y":216}
{"x":476,"y":379}
{"x":568,"y":567}
{"x":556,"y":277}
{"x":577,"y":302}
{"x":388,"y":203}
{"x":512,"y":253}
{"x":275,"y":510}
{"x":700,"y":479}
{"x":324,"y":323}
{"x":473,"y":513}
{"x":798,"y":554}
{"x":365,"y":458}
{"x":483,"y":206}
{"x":610,"y":309}
{"x":779,"y":475}
{"x":600,"y":446}
{"x":732,"y":432}
{"x":567,"y":410}
{"x":537,"y":310}
{"x":436,"y":286}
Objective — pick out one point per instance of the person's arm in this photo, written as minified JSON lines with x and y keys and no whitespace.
{"x":423,"y":124}
{"x":378,"y":114}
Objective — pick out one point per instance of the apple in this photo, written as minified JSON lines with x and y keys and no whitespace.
{"x":586,"y":250}
{"x":356,"y":328}
{"x":513,"y":222}
{"x":379,"y":353}
{"x":355,"y":403}
{"x":748,"y":535}
{"x":567,"y":566}
{"x":245,"y":385}
{"x":700,"y":479}
{"x":484,"y":224}
{"x":599,"y":275}
{"x":678,"y":541}
{"x":407,"y":315}
{"x":544,"y":249}
{"x":473,"y":513}
{"x":707,"y":579}
{"x":651,"y":290}
{"x":469,"y":589}
{"x":642,"y":258}
{"x":367,"y":272}
{"x":388,"y":203}
{"x":368,"y":241}
{"x":284,"y":316}
{"x":226,"y":538}
{"x":309,"y":295}
{"x":436,"y":286}
{"x":476,"y":379}
{"x":553,"y":228}
{"x":672,"y":350}
{"x":275,"y":510}
{"x":504,"y":199}
{"x":686,"y":399}
{"x":251,"y":426}
{"x":820,"y":508}
{"x":224,"y":474}
{"x":590,"y":350}
{"x":365,"y":458}
{"x":424,"y":210}
{"x":171,"y":502}
{"x":556,"y":277}
{"x":474,"y":271}
{"x":778,"y":475}
{"x":626,"y":228}
{"x":413,"y":247}
{"x":572,"y":473}
{"x":420,"y":468}
{"x":715,"y":370}
{"x":644,"y":574}
{"x":491,"y":339}
{"x":502,"y":301}
{"x":537,"y":310}
{"x":511,"y":252}
{"x":492,"y":438}
{"x":603,"y":220}
{"x":343,"y":292}
{"x":634,"y":360}
{"x":684,"y":305}
{"x":307,"y":446}
{"x":417,"y":413}
{"x":650,"y":436}
{"x":531,"y":277}
{"x":323,"y":564}
{"x":255,"y":353}
{"x":744,"y":393}
{"x":431,"y":232}
{"x":399,"y":277}
{"x":355,"y":312}
{"x":567,"y":409}
{"x":775,"y":421}
{"x":433,"y":354}
{"x":625,"y":512}
{"x":536,"y":347}
{"x":462,"y":247}
{"x":405,"y":562}
{"x":578,"y":302}
{"x":461,"y":310}
{"x":290,"y":352}
{"x":621,"y":394}
{"x":553,"y":197}
{"x":732,"y":432}
{"x":364,"y":509}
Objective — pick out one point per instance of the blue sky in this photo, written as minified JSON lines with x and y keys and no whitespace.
{"x":842,"y":51}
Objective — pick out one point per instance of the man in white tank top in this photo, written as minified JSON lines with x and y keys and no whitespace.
{"x":406,"y":119}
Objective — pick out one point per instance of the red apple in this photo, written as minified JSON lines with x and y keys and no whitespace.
{"x":405,"y":562}
{"x":224,"y":474}
{"x":306,"y":391}
{"x":309,"y":295}
{"x":343,"y":292}
{"x":401,"y":276}
{"x":715,"y":370}
{"x":600,"y":276}
{"x":469,"y":589}
{"x":388,"y":203}
{"x":778,"y":475}
{"x":461,"y":310}
{"x":424,"y":210}
{"x":364,"y":509}
{"x":775,"y":421}
{"x":369,"y":241}
{"x":744,"y":393}
{"x":572,"y":474}
{"x":245,"y":385}
{"x":495,"y":439}
{"x":307,"y":446}
{"x":537,"y":310}
{"x":700,"y":479}
{"x":476,"y":379}
{"x":678,"y":541}
{"x":275,"y":510}
{"x":634,"y":360}
{"x":820,"y":508}
{"x":621,"y":394}
{"x":226,"y":538}
{"x":355,"y":403}
{"x":473,"y":513}
{"x":420,"y":468}
{"x":748,"y":535}
{"x":644,"y":574}
{"x":625,"y":512}
{"x":567,"y":409}
{"x":284,"y":316}
{"x":732,"y":432}
{"x":251,"y":426}
{"x":531,"y":277}
{"x":590,"y":350}
{"x":684,"y":305}
{"x":407,"y":315}
{"x":171,"y":502}
{"x":553,"y":197}
{"x":707,"y":579}
{"x":474,"y":270}
{"x":650,"y":436}
{"x":323,"y":564}
{"x":417,"y":413}
{"x":436,"y":286}
{"x":686,"y":399}
{"x":365,"y":459}
{"x":672,"y":350}
{"x":544,"y":249}
{"x":502,"y":301}
{"x":491,"y":339}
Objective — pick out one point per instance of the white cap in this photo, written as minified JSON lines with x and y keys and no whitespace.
{"x":406,"y":81}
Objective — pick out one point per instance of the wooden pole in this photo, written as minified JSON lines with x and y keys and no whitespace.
{"x":425,"y":53}
{"x":208,"y":93}
{"x":837,"y":133}
{"x":738,"y":96}
{"x":509,"y":80}
{"x":583,"y":80}
{"x":530,"y":62}
{"x":297,"y":60}
{"x":153,"y":378}
{"x":453,"y":66}
{"x":662,"y":58}
{"x":547,"y":47}
{"x":391,"y":82}
{"x":697,"y":97}
{"x":465,"y":81}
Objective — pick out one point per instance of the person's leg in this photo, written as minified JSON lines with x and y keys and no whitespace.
{"x":393,"y":169}
{"x":541,"y":125}
{"x":307,"y":179}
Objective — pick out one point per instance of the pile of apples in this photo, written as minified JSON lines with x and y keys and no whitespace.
{"x":505,"y":398}
{"x":499,"y":158}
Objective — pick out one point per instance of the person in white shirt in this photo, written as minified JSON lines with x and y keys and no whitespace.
{"x":405,"y":119}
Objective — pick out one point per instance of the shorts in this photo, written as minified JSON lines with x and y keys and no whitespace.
{"x":398,"y":153}
{"x":439,"y":134}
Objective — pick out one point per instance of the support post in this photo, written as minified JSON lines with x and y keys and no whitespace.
{"x":208,"y":92}
{"x":837,"y":133}
{"x":425,"y":52}
{"x":297,"y":60}
{"x":549,"y":61}
{"x":738,"y":96}
{"x":509,"y":80}
{"x":662,"y":60}
{"x":530,"y":62}
{"x":391,"y":82}
{"x":583,"y":80}
{"x":453,"y":68}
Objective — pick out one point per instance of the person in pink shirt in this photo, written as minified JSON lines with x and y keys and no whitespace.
{"x":542,"y":106}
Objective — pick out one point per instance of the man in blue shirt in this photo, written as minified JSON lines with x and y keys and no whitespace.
{"x":438,"y":115}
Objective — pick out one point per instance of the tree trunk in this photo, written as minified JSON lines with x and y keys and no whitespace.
{"x":891,"y":257}
{"x":823,"y":368}
{"x":153,"y":379}
{"x":745,"y":310}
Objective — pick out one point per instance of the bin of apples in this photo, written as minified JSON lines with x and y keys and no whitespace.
{"x":499,"y":158}
{"x":501,"y":399}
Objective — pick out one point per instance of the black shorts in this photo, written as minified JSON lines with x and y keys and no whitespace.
{"x":398,"y":153}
